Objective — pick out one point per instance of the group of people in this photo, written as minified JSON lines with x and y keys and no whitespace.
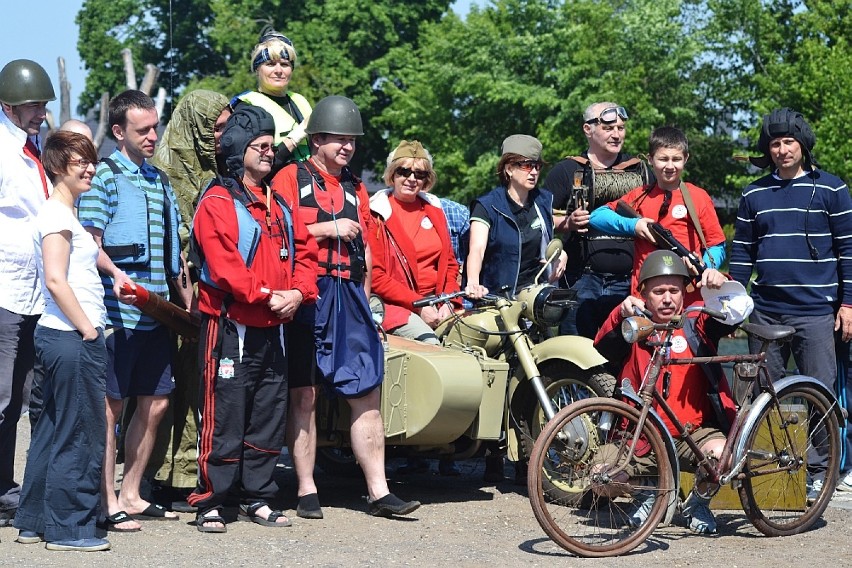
{"x":249,"y":215}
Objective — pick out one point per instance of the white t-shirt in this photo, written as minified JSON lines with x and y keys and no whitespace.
{"x":82,"y":275}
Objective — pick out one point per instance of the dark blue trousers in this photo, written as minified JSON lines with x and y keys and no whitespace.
{"x":60,"y":496}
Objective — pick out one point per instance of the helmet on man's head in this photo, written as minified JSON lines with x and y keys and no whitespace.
{"x":784,"y":122}
{"x":246,"y":124}
{"x":23,"y":81}
{"x":336,"y":115}
{"x":662,"y":263}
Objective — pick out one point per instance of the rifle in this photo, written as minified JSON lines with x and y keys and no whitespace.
{"x":664,"y":238}
{"x":165,"y":312}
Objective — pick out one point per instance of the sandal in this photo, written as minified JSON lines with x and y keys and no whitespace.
{"x":200,"y":519}
{"x":249,"y":513}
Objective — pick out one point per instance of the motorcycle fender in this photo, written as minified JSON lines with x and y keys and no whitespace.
{"x":765,"y":399}
{"x":578,"y":350}
{"x":628,"y":393}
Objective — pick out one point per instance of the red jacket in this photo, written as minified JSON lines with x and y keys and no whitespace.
{"x":689,"y":387}
{"x":216,"y":230}
{"x":395,"y":258}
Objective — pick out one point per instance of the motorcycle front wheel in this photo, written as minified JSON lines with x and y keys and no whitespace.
{"x":618,"y":500}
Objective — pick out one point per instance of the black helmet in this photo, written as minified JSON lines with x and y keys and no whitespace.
{"x":23,"y":81}
{"x":336,"y":115}
{"x":242,"y":128}
{"x":662,"y":263}
{"x":784,"y":122}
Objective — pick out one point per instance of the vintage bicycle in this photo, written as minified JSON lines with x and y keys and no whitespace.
{"x":781,"y":453}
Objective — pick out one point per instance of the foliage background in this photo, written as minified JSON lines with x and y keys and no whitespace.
{"x":417,"y":70}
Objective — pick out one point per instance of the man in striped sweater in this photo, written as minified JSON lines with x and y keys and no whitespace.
{"x":794,"y":230}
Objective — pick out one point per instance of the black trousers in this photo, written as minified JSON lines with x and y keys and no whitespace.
{"x":243,"y":407}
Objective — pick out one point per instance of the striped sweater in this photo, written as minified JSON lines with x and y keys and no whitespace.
{"x":774,"y":217}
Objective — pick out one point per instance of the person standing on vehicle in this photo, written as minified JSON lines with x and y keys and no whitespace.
{"x":273,"y":60}
{"x":132,"y":213}
{"x":792,"y":230}
{"x":698,"y":395}
{"x":683,"y":208}
{"x":256,"y":270}
{"x":349,"y":356}
{"x":511,"y":225}
{"x":599,"y":265}
{"x":25,"y":90}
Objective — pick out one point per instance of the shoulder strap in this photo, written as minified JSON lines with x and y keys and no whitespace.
{"x":690,"y":208}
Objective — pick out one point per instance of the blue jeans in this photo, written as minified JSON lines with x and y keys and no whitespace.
{"x":597,"y":296}
{"x":17,"y":354}
{"x":61,"y":493}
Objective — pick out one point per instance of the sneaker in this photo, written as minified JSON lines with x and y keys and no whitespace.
{"x":7,"y":517}
{"x":79,"y":545}
{"x":28,"y":537}
{"x":391,"y":505}
{"x":814,"y":489}
{"x":845,"y":483}
{"x":697,"y":511}
{"x":643,"y":502}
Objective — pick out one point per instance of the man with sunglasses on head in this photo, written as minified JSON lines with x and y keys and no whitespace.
{"x":599,"y":265}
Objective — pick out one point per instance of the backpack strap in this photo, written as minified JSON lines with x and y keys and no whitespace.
{"x":690,"y":208}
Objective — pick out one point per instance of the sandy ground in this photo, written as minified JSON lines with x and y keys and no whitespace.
{"x":463,"y":522}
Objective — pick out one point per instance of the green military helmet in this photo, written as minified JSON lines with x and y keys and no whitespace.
{"x":662,"y":263}
{"x":336,"y":115}
{"x":23,"y":81}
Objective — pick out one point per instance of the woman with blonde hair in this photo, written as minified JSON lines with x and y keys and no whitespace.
{"x":273,"y":60}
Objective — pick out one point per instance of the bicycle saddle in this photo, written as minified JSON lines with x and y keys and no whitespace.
{"x":768,"y":332}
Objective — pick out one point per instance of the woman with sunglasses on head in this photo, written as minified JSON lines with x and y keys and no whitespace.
{"x":412,"y":255}
{"x":60,"y":499}
{"x":273,"y":60}
{"x":511,"y":225}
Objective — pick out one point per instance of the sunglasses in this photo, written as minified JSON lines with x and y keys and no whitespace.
{"x":261,"y":148}
{"x":406,"y":172}
{"x":609,"y":116}
{"x":529,"y":165}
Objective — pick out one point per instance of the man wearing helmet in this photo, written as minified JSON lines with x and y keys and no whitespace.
{"x":349,"y":359}
{"x":698,"y":395}
{"x":792,"y":229}
{"x":257,"y":267}
{"x":25,"y":90}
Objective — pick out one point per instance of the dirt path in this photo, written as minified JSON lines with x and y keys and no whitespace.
{"x":463,"y":522}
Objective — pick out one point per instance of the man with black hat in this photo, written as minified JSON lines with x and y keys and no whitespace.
{"x":793,"y":228}
{"x":25,"y":90}
{"x":256,"y":269}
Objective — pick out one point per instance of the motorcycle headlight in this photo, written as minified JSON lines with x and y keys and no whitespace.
{"x":551,"y":304}
{"x":636,"y":328}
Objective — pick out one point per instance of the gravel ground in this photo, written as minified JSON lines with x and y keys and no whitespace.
{"x":463,"y":522}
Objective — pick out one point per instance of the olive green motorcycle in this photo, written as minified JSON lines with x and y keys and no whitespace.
{"x":498,"y":376}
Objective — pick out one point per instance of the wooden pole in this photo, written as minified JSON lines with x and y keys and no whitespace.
{"x":129,"y":72}
{"x":64,"y":92}
{"x":150,"y":78}
{"x":102,"y":121}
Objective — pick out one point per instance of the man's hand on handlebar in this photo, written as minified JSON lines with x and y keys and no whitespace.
{"x":629,"y":306}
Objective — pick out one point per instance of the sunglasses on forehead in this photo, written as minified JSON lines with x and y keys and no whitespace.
{"x":609,"y":116}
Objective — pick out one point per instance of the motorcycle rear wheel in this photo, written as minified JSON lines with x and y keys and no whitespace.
{"x":595,"y":523}
{"x":786,"y":437}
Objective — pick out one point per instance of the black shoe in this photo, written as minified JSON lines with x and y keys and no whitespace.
{"x":493,"y":469}
{"x":391,"y":505}
{"x":521,"y":473}
{"x":309,"y":507}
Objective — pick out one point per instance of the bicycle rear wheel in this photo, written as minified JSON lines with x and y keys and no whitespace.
{"x":583,"y":447}
{"x":793,"y":444}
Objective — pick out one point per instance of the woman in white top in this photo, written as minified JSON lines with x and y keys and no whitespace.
{"x":60,"y":498}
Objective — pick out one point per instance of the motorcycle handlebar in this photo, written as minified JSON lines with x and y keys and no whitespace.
{"x":441,"y":298}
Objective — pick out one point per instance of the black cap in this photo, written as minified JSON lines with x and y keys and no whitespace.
{"x":246,"y":124}
{"x":784,"y":122}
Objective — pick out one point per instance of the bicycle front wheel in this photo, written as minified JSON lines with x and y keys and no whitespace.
{"x":618,"y":496}
{"x":794,"y":445}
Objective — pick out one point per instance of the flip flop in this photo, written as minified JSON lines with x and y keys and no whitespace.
{"x":110,"y":523}
{"x":154,"y":512}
